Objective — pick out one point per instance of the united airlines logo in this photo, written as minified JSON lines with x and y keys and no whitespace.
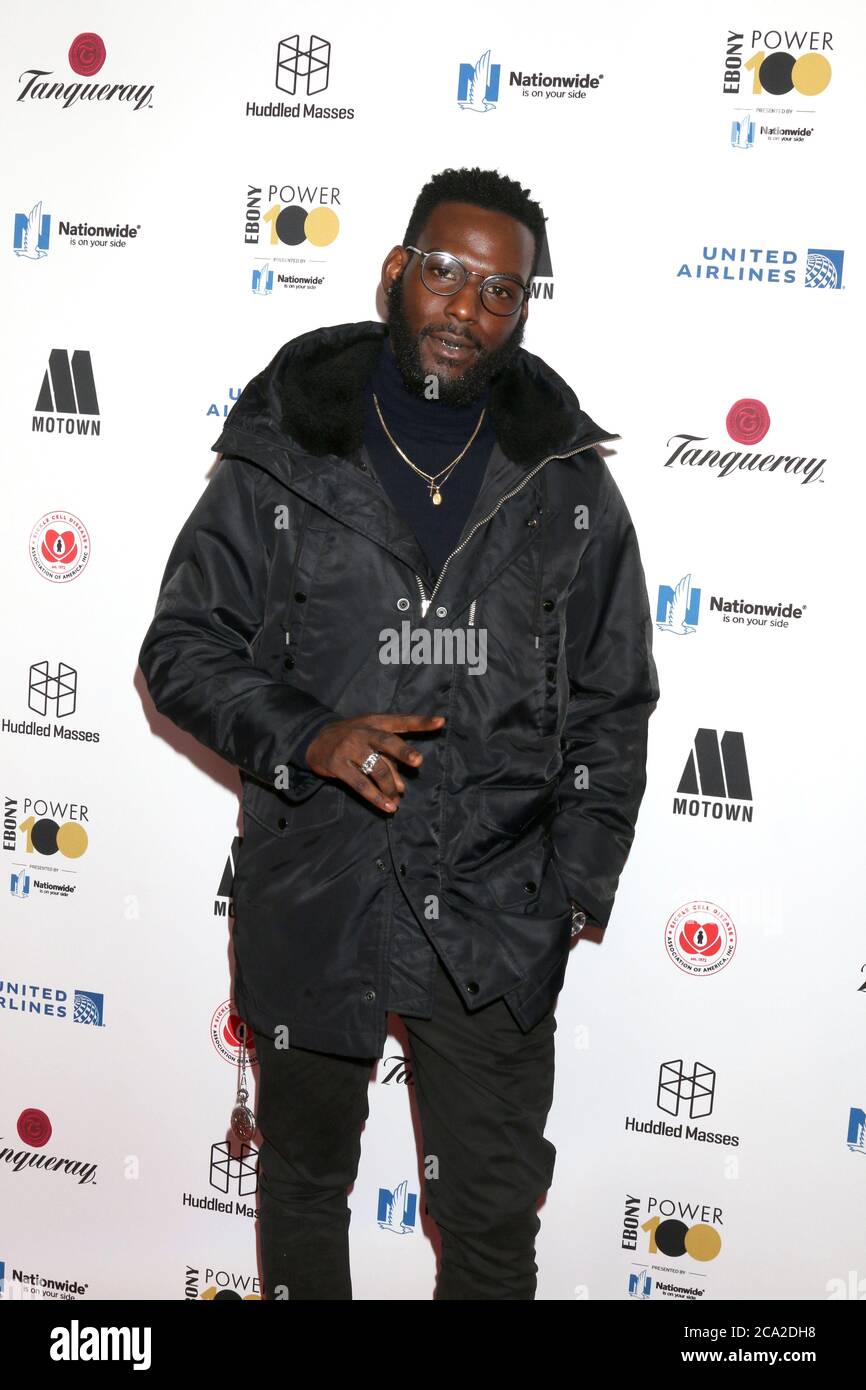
{"x":716,"y":776}
{"x":32,"y":233}
{"x":68,"y":390}
{"x":694,"y":1089}
{"x":678,"y":607}
{"x":478,"y":85}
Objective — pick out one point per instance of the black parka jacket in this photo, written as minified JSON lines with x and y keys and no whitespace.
{"x":288,"y":591}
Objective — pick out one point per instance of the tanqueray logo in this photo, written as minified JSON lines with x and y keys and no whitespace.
{"x":86,"y":57}
{"x":747,"y":422}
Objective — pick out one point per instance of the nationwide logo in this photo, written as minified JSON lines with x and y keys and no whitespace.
{"x":700,"y":938}
{"x":678,"y":609}
{"x":48,"y":1001}
{"x":294,"y":217}
{"x":68,"y":392}
{"x":819,"y":269}
{"x":59,"y":546}
{"x":34,"y":1131}
{"x":32,"y":233}
{"x":303,"y":70}
{"x":715,"y":777}
{"x":397,"y":1210}
{"x":478,"y":84}
{"x":86,"y":57}
{"x":747,"y":422}
{"x":856,"y":1137}
{"x":31,"y":1284}
{"x":227,"y":1031}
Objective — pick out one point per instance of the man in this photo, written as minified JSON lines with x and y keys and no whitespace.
{"x":410,"y":607}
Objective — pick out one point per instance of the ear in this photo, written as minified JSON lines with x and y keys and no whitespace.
{"x":393,"y":266}
{"x":524,"y":308}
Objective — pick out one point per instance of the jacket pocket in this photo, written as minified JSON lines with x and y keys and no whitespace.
{"x":269,"y":809}
{"x":508,"y":810}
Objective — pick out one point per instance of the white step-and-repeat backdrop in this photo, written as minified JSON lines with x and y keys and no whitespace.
{"x":697,"y":165}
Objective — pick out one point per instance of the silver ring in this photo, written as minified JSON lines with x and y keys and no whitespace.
{"x":369,"y":762}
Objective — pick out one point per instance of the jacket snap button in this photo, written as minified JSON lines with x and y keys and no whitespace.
{"x":289,"y":662}
{"x":551,"y":673}
{"x":533,"y":521}
{"x":402,"y":604}
{"x":282,"y":823}
{"x":300,"y":598}
{"x":369,"y":995}
{"x":441,"y":612}
{"x":380,"y":864}
{"x":403,"y":869}
{"x":529,"y":887}
{"x":472,"y":987}
{"x":362,"y":465}
{"x":548,"y":605}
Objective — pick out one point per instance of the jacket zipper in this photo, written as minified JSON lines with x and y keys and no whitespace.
{"x":426,"y":602}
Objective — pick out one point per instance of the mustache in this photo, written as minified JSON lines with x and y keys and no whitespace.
{"x":451,"y":333}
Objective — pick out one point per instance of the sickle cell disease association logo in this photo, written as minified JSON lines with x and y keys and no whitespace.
{"x":59,"y":546}
{"x":700,"y":938}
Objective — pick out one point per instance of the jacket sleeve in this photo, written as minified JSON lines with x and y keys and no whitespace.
{"x":613,"y":686}
{"x":197,"y":655}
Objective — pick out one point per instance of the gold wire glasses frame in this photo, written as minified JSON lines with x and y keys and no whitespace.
{"x":443,"y":260}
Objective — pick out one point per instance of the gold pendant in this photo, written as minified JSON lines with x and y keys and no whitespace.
{"x":437,"y":498}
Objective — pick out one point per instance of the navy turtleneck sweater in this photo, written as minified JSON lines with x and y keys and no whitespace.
{"x":431,"y":434}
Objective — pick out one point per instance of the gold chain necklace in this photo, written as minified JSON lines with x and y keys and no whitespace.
{"x":433,"y":489}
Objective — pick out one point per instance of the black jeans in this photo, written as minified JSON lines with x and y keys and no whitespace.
{"x":483,"y":1090}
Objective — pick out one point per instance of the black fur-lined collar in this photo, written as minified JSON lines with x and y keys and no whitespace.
{"x":316,"y":387}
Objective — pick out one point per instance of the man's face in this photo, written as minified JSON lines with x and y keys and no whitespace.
{"x":481,"y":343}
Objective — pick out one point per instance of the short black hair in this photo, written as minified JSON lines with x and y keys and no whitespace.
{"x":486,"y":188}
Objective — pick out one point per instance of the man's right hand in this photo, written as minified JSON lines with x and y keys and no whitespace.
{"x":339,"y":749}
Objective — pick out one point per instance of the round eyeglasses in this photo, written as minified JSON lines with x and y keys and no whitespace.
{"x":443,"y":274}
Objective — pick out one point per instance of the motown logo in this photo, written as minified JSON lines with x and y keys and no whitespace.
{"x":694,"y":1089}
{"x":716,"y":775}
{"x":700,"y":938}
{"x":59,"y":546}
{"x":223,"y":902}
{"x":68,"y":392}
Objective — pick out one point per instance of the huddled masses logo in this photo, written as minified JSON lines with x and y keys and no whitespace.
{"x":678,"y":1087}
{"x":59,"y":546}
{"x":302,"y":68}
{"x":55,"y":694}
{"x":700,"y":938}
{"x":86,"y":57}
{"x":747,"y":422}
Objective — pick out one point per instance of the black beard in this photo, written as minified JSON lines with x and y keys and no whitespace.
{"x":461,"y":390}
